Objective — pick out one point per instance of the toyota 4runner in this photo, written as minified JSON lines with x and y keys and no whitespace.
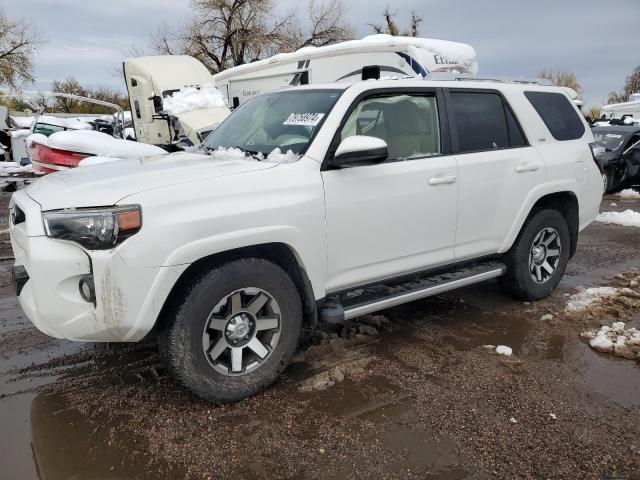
{"x":314,"y":203}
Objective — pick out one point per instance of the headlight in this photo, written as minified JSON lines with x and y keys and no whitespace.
{"x":94,"y":228}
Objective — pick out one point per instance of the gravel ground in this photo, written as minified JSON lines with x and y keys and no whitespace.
{"x":409,"y":393}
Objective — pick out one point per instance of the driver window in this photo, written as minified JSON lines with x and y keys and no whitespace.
{"x":408,"y":123}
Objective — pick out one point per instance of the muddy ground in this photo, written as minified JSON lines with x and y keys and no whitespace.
{"x":414,"y":394}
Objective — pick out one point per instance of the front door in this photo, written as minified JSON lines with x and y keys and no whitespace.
{"x":398,"y":216}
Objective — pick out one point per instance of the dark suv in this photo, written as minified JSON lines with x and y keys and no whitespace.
{"x":621,"y":161}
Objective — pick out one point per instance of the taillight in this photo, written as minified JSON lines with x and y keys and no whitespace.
{"x":61,"y":158}
{"x":597,"y":152}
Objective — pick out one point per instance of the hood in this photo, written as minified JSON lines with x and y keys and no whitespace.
{"x":105,"y":184}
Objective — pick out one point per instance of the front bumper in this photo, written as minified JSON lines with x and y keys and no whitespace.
{"x":127,"y":299}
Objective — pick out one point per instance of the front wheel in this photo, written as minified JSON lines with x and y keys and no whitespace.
{"x":235,"y":331}
{"x":538,"y":259}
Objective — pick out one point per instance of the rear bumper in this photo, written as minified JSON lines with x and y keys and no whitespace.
{"x":127,"y":299}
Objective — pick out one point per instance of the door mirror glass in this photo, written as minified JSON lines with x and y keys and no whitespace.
{"x":360,"y":149}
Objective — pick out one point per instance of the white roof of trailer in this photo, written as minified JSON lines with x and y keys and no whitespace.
{"x":461,"y":53}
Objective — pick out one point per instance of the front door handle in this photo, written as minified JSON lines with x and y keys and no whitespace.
{"x":442,"y":179}
{"x":528,"y":167}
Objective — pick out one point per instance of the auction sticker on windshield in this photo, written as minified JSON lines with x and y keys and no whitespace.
{"x":305,"y":119}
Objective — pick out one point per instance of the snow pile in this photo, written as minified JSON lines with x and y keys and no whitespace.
{"x":631,"y":120}
{"x":229,"y":153}
{"x":615,"y":339}
{"x":87,"y":162}
{"x":628,"y":218}
{"x":36,"y":138}
{"x":504,"y":350}
{"x":628,"y":194}
{"x":194,"y":99}
{"x":19,"y":133}
{"x":277,"y":156}
{"x":13,"y":168}
{"x":590,"y":296}
{"x":68,"y":122}
{"x":96,"y":143}
{"x":453,"y":53}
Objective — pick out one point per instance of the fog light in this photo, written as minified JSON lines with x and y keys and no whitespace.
{"x":87,"y":290}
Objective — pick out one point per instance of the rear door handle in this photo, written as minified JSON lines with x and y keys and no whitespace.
{"x":442,"y":179}
{"x":528,"y":167}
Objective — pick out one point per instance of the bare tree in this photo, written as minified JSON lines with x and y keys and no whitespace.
{"x":71,"y":85}
{"x":391,"y":27}
{"x":18,"y":43}
{"x":226,"y":33}
{"x":562,"y":79}
{"x":631,"y":85}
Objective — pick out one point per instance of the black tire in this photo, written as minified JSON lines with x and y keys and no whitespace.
{"x":611,"y":185}
{"x":519,"y":281}
{"x":184,"y":335}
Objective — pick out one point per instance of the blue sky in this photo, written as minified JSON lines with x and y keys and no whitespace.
{"x":596,"y":39}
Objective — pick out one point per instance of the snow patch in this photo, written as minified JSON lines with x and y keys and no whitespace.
{"x":615,"y":339}
{"x":10,"y":168}
{"x":194,"y":99}
{"x":586,"y":298}
{"x":628,"y":218}
{"x":504,"y":350}
{"x":96,"y":144}
{"x":229,"y":153}
{"x":87,"y":162}
{"x":628,"y":193}
{"x":459,"y":54}
{"x":277,"y":156}
{"x":65,"y":122}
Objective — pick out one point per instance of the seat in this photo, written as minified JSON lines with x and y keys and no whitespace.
{"x":410,"y":129}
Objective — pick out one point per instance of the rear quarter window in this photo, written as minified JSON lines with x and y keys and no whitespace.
{"x":558,"y":114}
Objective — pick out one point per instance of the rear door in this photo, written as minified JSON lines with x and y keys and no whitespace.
{"x":497,"y":168}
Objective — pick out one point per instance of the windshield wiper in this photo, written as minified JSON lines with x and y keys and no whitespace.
{"x":254,"y":153}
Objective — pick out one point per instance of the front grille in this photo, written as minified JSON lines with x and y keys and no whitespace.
{"x":17,"y":215}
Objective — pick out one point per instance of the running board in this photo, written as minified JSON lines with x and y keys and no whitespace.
{"x":357,"y":302}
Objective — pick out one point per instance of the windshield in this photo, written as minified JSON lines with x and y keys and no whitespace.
{"x":610,"y":141}
{"x":280,"y":120}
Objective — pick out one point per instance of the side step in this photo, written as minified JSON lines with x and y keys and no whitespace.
{"x":353,"y":303}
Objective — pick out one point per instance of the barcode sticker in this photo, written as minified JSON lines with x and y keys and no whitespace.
{"x":305,"y":119}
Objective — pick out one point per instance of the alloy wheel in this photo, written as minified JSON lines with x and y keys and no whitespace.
{"x":544,"y":256}
{"x":242,"y":331}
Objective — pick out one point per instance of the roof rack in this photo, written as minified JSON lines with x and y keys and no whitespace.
{"x":446,"y":76}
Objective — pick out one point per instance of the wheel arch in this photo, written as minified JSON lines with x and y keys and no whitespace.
{"x":280,"y":254}
{"x":565,"y":202}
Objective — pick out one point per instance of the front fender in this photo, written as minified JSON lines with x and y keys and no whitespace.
{"x":295,"y":239}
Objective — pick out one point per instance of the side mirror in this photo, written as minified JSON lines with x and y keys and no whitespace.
{"x":359,"y":149}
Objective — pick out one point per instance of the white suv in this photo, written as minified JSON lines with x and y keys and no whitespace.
{"x":381,"y":192}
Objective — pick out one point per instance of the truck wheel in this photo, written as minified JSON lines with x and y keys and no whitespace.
{"x":235,"y":331}
{"x":538,"y":259}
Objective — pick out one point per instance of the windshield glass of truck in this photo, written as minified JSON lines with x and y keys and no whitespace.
{"x":281,"y":120}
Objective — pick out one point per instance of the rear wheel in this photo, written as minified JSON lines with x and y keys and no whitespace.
{"x":235,"y":331}
{"x":538,"y":259}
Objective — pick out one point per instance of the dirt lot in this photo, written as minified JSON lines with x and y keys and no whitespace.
{"x":414,"y":394}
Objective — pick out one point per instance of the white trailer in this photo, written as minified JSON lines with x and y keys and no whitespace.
{"x":618,"y":110}
{"x":151,"y":81}
{"x":374,"y":56}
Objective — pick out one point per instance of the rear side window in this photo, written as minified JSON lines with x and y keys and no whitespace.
{"x":480,"y":121}
{"x":558,"y":114}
